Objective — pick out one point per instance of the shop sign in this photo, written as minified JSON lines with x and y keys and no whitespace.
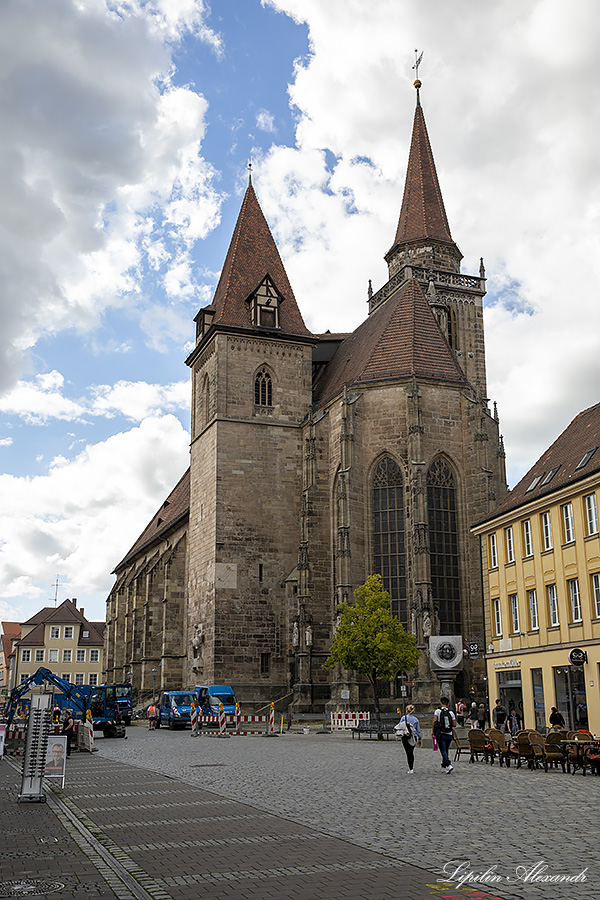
{"x":511,"y":663}
{"x":577,"y":656}
{"x":473,"y":650}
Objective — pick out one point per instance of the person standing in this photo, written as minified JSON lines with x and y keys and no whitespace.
{"x":414,"y":737}
{"x":481,"y":717}
{"x":460,"y":713}
{"x":499,"y":716}
{"x":473,"y":715}
{"x":513,"y":723}
{"x":68,"y":728}
{"x":152,"y":717}
{"x":556,"y":718}
{"x":444,"y":721}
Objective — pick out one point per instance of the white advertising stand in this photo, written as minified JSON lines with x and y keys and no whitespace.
{"x":34,"y":761}
{"x":2,"y":736}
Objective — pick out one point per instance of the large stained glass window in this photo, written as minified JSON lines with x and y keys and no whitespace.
{"x":443,"y":545}
{"x":388,"y":533}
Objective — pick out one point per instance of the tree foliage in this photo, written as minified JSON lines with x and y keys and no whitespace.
{"x":369,"y":640}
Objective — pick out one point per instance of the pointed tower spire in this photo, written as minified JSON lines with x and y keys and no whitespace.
{"x":254,"y":279}
{"x":423,"y":228}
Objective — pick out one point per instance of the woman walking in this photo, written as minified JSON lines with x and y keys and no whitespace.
{"x":410,"y":731}
{"x":68,"y":728}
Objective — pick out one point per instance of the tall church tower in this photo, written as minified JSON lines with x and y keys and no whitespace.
{"x":251,"y":387}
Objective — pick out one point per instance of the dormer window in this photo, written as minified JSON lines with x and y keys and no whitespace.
{"x":204,"y":320}
{"x":264,"y":305}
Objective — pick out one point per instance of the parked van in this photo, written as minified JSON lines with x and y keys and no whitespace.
{"x":175,"y":709}
{"x":210,"y":695}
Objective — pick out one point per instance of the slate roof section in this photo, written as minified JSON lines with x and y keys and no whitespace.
{"x":422,"y":214}
{"x":253,"y":254}
{"x":401,"y":338}
{"x":175,"y":508}
{"x":566,"y":453}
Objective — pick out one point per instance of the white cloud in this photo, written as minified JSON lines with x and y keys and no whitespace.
{"x":42,"y":400}
{"x":81,"y":517}
{"x":6,"y":442}
{"x":100,"y":158}
{"x":265,"y":121}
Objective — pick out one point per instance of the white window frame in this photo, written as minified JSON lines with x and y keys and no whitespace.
{"x":552,"y":605}
{"x":52,"y":656}
{"x":55,"y":632}
{"x":39,"y":656}
{"x":596,"y":593}
{"x":534,"y":622}
{"x":568,"y":524}
{"x":67,"y":656}
{"x":510,"y":544}
{"x":69,"y":632}
{"x":80,"y":656}
{"x":591,"y":514}
{"x":547,"y":530}
{"x":493,"y":551}
{"x":514,"y":612}
{"x":527,"y":538}
{"x":575,"y":595}
{"x":94,"y":656}
{"x":497,"y":616}
{"x":79,"y":678}
{"x":66,"y":676}
{"x":25,"y":655}
{"x":24,"y":677}
{"x":93,"y":679}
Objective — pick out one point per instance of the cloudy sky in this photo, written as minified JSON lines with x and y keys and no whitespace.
{"x":126,"y":132}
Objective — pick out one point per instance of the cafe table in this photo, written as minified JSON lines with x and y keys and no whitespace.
{"x":579,"y":745}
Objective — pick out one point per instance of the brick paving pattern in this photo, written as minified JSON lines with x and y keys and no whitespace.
{"x":162,"y":816}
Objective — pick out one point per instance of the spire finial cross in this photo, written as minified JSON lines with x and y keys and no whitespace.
{"x":417,"y":63}
{"x":249,"y":170}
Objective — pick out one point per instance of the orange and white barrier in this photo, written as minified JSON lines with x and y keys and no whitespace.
{"x":14,"y":740}
{"x":344,"y":721}
{"x":194,"y":716}
{"x":271,"y":729}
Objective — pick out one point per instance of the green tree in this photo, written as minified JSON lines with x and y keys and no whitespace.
{"x":369,"y":640}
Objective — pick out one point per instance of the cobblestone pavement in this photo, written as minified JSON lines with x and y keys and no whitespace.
{"x":125,"y":831}
{"x":483,"y":816}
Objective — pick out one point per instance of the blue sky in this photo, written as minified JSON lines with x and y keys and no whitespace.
{"x":127,"y":129}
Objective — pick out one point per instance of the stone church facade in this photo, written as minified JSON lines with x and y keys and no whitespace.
{"x":315,"y":461}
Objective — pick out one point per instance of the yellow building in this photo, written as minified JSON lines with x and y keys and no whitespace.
{"x":540,"y":552}
{"x":63,"y":640}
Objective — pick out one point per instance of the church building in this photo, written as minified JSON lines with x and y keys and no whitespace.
{"x":315,"y":461}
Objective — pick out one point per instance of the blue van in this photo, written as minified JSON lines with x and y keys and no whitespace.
{"x":175,"y":709}
{"x":210,"y":695}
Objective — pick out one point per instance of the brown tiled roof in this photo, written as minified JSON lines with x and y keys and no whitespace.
{"x":253,"y":254}
{"x":35,"y":638}
{"x":174,"y":508}
{"x":40,"y":616}
{"x":564,"y":455}
{"x":13,"y":629}
{"x":400,"y":339}
{"x":422,"y":214}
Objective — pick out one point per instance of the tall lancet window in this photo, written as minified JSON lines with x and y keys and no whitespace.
{"x":443,"y":545}
{"x":389,"y":548}
{"x":263,"y":389}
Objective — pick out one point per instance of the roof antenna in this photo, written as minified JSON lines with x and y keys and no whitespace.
{"x":416,"y":68}
{"x":249,"y":171}
{"x":56,"y":590}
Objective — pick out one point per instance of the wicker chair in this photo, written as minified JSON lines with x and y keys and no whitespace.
{"x":480,"y":744}
{"x":538,"y":747}
{"x":498,"y":739}
{"x":461,"y":746}
{"x":522,"y":749}
{"x":553,"y":749}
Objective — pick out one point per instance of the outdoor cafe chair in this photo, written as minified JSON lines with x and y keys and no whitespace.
{"x":460,"y":745}
{"x":480,"y":744}
{"x":500,"y":745}
{"x":522,"y":749}
{"x":553,"y":749}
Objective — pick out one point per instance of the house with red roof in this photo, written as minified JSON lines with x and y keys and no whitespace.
{"x":315,"y":461}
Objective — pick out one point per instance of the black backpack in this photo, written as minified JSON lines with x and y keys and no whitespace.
{"x":445,"y":722}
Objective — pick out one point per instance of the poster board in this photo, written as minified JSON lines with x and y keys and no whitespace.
{"x":2,"y":736}
{"x":56,"y":757}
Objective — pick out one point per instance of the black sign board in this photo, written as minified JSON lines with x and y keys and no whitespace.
{"x":577,"y":656}
{"x":473,"y":650}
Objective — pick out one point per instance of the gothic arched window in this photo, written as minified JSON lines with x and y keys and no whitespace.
{"x":263,"y":389}
{"x":389,"y":551}
{"x":443,"y":545}
{"x":452,"y":331}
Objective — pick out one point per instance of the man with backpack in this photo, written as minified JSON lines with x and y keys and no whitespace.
{"x":499,"y":716}
{"x":443,"y":723}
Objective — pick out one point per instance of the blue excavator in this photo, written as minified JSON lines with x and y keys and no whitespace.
{"x":101,"y":701}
